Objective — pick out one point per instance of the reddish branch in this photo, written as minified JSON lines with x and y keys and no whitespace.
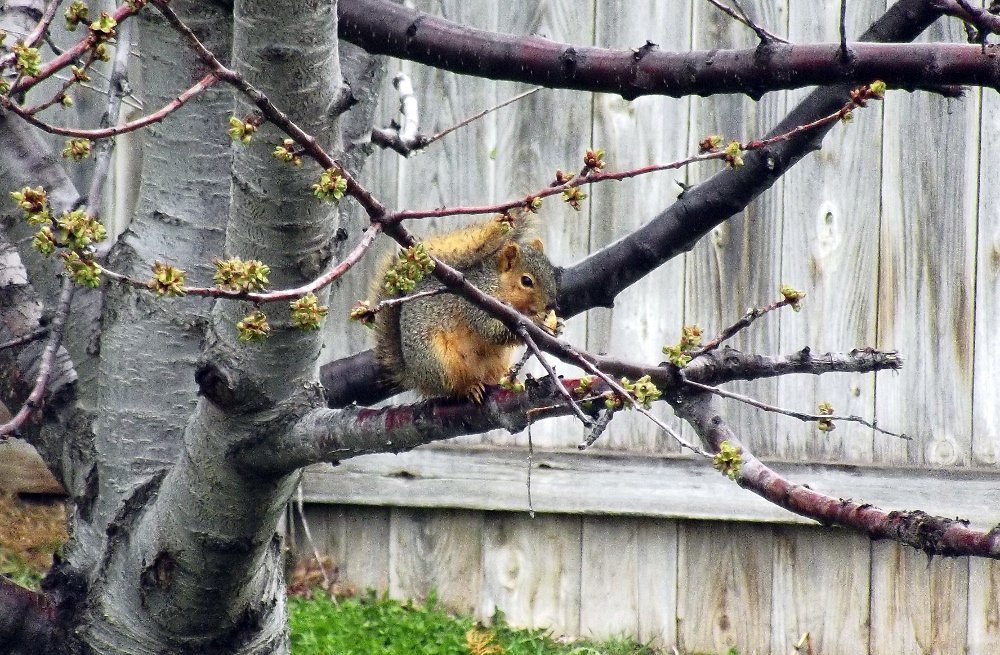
{"x":334,"y":435}
{"x":270,"y":296}
{"x":108,"y":132}
{"x":978,"y":17}
{"x":36,"y":34}
{"x":386,"y":28}
{"x":70,"y":55}
{"x":37,"y":395}
{"x":932,"y":534}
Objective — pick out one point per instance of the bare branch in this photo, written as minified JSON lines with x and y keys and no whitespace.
{"x":34,"y":335}
{"x":37,"y":395}
{"x":743,"y":18}
{"x":386,"y":28}
{"x":802,"y":416}
{"x":932,"y":534}
{"x":200,"y":86}
{"x":329,"y":435}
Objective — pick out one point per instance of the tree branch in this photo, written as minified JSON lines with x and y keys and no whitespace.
{"x":389,"y":29}
{"x":53,"y":361}
{"x":934,"y":535}
{"x":333,"y":435}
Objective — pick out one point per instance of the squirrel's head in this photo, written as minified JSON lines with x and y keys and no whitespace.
{"x":527,"y":278}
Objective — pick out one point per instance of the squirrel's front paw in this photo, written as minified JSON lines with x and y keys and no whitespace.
{"x":476,"y":393}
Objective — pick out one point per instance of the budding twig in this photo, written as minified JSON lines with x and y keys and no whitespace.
{"x":802,"y":416}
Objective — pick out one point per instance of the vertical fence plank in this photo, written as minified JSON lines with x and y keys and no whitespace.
{"x":724,"y":587}
{"x":927,"y":272}
{"x":821,"y":587}
{"x":436,"y":551}
{"x":531,"y":570}
{"x":831,"y":203}
{"x":738,"y":265}
{"x":984,"y":575}
{"x":984,"y":607}
{"x":657,"y":568}
{"x":628,"y":579}
{"x":366,"y":548}
{"x":918,"y":604}
{"x":644,"y":131}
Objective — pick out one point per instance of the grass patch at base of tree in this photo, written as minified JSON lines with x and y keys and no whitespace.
{"x":29,"y":534}
{"x":373,"y":625}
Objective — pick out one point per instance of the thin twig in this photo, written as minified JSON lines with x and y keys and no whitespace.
{"x":600,"y":425}
{"x":533,"y":347}
{"x":37,"y":395}
{"x":36,"y":34}
{"x":844,"y":54}
{"x":300,"y":507}
{"x":627,"y":397}
{"x":107,"y":132}
{"x":802,"y":416}
{"x":270,"y":296}
{"x":69,"y":55}
{"x":393,"y":139}
{"x":531,"y":456}
{"x":34,"y":335}
{"x":443,"y":133}
{"x":603,"y":176}
{"x":762,"y":34}
{"x":744,"y":322}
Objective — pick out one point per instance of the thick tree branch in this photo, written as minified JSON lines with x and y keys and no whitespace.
{"x":728,"y":364}
{"x":934,"y":535}
{"x":386,"y":28}
{"x":599,"y":278}
{"x":333,"y":435}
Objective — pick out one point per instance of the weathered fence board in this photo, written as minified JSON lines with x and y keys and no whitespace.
{"x":488,"y":479}
{"x":436,"y":551}
{"x":820,"y":586}
{"x":918,"y":604}
{"x":724,"y":587}
{"x":532,"y":570}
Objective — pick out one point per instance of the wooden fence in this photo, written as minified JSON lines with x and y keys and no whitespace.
{"x":894,"y":231}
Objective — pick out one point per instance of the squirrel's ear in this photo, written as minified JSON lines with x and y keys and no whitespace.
{"x":537,"y":245}
{"x":510,"y":254}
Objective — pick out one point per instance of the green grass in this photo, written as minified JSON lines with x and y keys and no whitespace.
{"x":378,"y":626}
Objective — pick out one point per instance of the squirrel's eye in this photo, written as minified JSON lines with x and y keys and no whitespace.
{"x":527,"y":281}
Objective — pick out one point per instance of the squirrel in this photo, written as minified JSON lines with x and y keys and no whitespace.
{"x":443,"y":345}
